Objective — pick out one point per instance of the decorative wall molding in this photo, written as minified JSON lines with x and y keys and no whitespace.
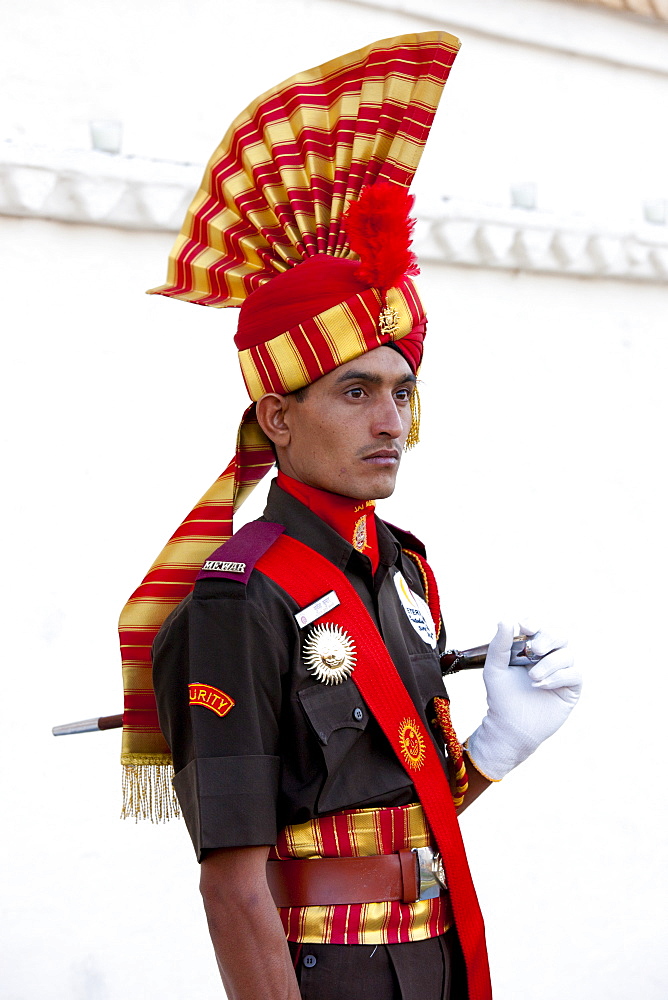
{"x":138,"y":194}
{"x":101,"y":189}
{"x":605,"y":31}
{"x":513,"y":239}
{"x":645,"y":8}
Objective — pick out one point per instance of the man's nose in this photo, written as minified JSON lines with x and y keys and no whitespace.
{"x":387,"y":418}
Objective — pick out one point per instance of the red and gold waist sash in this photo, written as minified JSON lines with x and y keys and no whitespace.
{"x":361,"y":833}
{"x":306,"y":576}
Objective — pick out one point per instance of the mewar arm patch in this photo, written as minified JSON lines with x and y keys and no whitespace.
{"x":235,"y":558}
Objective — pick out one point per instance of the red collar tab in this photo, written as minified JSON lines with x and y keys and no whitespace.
{"x":352,"y":519}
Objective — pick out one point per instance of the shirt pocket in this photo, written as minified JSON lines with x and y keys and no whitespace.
{"x":359,"y":767}
{"x":339,"y":719}
{"x":336,"y":713}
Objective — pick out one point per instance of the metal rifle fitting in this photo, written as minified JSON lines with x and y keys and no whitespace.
{"x":454,"y":660}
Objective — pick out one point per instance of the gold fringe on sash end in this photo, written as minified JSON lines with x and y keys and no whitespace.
{"x":414,"y":432}
{"x":148,"y":792}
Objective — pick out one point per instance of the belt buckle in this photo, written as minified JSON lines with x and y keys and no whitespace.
{"x":431,"y":873}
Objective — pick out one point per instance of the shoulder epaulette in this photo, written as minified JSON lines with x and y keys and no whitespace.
{"x":407,"y":540}
{"x":235,"y":558}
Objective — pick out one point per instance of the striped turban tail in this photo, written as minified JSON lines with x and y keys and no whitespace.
{"x":295,"y":221}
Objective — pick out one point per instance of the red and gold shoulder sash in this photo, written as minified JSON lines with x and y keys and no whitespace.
{"x":306,"y":576}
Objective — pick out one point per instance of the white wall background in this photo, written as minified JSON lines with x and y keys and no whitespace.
{"x":539,"y":485}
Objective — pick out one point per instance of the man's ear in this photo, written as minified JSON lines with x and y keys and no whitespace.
{"x":271,"y":411}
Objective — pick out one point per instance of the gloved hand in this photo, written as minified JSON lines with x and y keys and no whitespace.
{"x":526,"y":704}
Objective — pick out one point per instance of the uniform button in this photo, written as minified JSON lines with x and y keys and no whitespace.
{"x":309,"y":961}
{"x":358,"y":714}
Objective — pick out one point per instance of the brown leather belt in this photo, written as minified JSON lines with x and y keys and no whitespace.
{"x":378,"y":879}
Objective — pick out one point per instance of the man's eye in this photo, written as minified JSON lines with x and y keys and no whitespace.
{"x":356,"y":392}
{"x":403,"y":395}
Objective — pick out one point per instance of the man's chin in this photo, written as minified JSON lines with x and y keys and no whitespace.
{"x":382,"y":493}
{"x":379,"y":487}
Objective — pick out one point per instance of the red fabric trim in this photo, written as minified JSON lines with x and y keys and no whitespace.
{"x":294,"y":296}
{"x":266,"y":369}
{"x":376,"y":131}
{"x":166,"y":584}
{"x":305,"y":575}
{"x":305,"y":342}
{"x":340,"y":513}
{"x":431,"y":587}
{"x":380,"y":231}
{"x":392,"y":833}
{"x":293,"y":301}
{"x":411,"y":347}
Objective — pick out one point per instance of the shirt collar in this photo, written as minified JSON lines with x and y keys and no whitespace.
{"x":302,"y":524}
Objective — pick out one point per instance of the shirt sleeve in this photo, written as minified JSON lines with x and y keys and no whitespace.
{"x":217,"y":666}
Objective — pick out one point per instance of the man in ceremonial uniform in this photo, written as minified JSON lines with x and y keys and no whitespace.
{"x":298,"y":678}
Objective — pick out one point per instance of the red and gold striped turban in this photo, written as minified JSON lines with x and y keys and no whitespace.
{"x":295,"y":221}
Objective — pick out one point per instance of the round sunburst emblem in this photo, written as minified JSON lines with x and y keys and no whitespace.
{"x":411,"y":743}
{"x":329,"y":654}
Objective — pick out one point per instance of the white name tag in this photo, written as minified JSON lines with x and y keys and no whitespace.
{"x":217,"y":566}
{"x":417,"y":611}
{"x":317,"y":609}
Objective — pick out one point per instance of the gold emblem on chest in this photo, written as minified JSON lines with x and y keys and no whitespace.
{"x":329,"y":654}
{"x":359,"y":534}
{"x":412,"y":744}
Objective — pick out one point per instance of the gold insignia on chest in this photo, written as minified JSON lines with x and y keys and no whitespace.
{"x":359,"y":535}
{"x":329,"y":654}
{"x":412,"y":744}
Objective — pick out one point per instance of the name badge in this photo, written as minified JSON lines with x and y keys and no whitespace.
{"x":317,"y":609}
{"x":417,"y":611}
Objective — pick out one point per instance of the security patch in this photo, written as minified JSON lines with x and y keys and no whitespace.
{"x":210,"y":697}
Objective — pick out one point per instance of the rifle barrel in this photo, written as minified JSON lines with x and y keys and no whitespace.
{"x":89,"y":725}
{"x":452,"y":661}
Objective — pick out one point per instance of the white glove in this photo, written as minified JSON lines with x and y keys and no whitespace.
{"x":527,"y":704}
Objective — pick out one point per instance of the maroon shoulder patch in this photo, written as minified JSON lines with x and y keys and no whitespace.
{"x":235,"y":558}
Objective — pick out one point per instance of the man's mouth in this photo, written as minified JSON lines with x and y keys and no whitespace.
{"x":384,"y":456}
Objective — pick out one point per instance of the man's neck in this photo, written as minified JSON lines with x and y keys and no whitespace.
{"x":353,"y":519}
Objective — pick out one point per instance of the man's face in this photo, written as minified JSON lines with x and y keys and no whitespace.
{"x":347,"y":435}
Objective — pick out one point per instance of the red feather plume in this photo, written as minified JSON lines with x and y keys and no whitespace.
{"x":380,"y":231}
